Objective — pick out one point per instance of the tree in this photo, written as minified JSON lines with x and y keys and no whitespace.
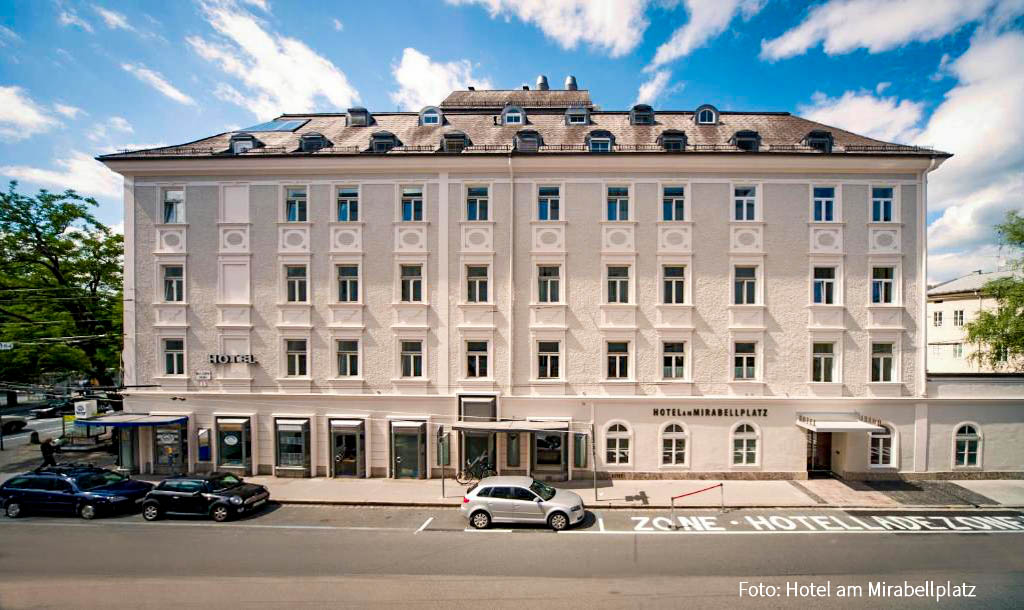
{"x":60,"y":288}
{"x":999,"y":335}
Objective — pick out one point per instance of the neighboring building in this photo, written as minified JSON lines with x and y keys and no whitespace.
{"x":713,"y":293}
{"x":951,"y":305}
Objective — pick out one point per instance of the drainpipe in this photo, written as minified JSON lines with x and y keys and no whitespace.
{"x":511,"y":269}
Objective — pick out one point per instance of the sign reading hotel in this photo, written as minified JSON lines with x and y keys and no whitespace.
{"x":232,"y":358}
{"x":710,"y":412}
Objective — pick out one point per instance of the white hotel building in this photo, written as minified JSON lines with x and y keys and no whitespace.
{"x":677,"y":294}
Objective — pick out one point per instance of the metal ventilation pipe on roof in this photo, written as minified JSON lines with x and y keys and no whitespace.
{"x":542,"y":83}
{"x":570,"y":83}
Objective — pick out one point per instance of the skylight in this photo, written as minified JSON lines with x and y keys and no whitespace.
{"x":278,"y":125}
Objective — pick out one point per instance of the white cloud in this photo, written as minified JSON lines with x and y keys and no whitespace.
{"x":20,"y":116}
{"x":78,"y":171}
{"x":884,"y":118}
{"x":969,"y":223}
{"x":281,"y":74}
{"x":7,"y":34}
{"x":708,"y":19}
{"x":69,"y":111}
{"x":113,"y":19}
{"x":338,"y":25}
{"x":651,"y":90}
{"x":102,"y":132}
{"x":881,"y":25}
{"x":67,"y":17}
{"x":157,"y":81}
{"x":614,"y":26}
{"x":263,"y":5}
{"x":951,"y":265}
{"x":422,"y":82}
{"x":880,"y":87}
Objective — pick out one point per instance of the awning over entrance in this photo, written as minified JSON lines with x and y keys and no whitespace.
{"x":838,"y":422}
{"x":512,"y":426}
{"x":132,"y":420}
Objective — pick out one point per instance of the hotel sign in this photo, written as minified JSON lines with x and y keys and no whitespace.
{"x":232,"y":358}
{"x":659,"y":412}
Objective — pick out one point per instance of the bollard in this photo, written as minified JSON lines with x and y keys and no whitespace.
{"x":33,"y":438}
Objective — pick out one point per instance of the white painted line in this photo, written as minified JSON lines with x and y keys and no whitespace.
{"x":492,"y":531}
{"x":600,"y":523}
{"x":764,"y":533}
{"x":424,"y":526}
{"x":211,"y":524}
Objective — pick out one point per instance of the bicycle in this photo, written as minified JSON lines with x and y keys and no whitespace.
{"x":480,"y":468}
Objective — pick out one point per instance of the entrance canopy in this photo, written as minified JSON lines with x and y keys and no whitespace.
{"x":132,"y":420}
{"x":837,"y":422}
{"x":512,"y":426}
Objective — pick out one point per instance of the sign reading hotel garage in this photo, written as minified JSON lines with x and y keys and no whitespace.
{"x":658,"y":412}
{"x":232,"y":358}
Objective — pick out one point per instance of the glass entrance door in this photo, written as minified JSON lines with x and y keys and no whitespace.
{"x":549,"y":452}
{"x":126,"y":441}
{"x":819,"y":454}
{"x":408,"y":450}
{"x":476,"y":444}
{"x":347,"y":454}
{"x":167,"y":449}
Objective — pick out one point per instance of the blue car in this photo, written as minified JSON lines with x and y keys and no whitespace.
{"x":71,"y":490}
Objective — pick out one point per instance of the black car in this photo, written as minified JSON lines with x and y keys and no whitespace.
{"x":220,"y":495}
{"x":86,"y":491}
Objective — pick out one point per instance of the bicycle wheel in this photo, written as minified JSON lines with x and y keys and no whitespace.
{"x":462,"y":478}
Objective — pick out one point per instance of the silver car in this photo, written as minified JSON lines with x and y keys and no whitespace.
{"x":521,"y":500}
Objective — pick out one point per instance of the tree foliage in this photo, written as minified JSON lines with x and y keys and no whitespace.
{"x":998,"y":335}
{"x":60,"y":288}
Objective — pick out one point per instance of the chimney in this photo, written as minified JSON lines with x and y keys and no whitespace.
{"x":570,"y":83}
{"x":526,"y":87}
{"x":542,"y":83}
{"x":471,"y":88}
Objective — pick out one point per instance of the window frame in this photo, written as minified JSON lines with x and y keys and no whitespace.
{"x":301,"y":358}
{"x":402,"y":352}
{"x":958,"y":318}
{"x":618,"y":436}
{"x":978,"y":438}
{"x":302,"y":282}
{"x":837,"y":203}
{"x":662,"y":187}
{"x":469,"y":281}
{"x":833,"y":356}
{"x":181,"y":359}
{"x":894,"y":204}
{"x":618,"y":282}
{"x":628,"y":355}
{"x":400,"y":198}
{"x":893,"y":436}
{"x":179,"y":206}
{"x":358,"y":279}
{"x":756,"y":200}
{"x":630,"y":211}
{"x":896,"y":357}
{"x":894,"y":283}
{"x":539,"y":354}
{"x":468,"y":355}
{"x":700,"y":111}
{"x":401,"y":279}
{"x":603,"y":141}
{"x":835,"y":282}
{"x":336,"y":189}
{"x":683,"y":435}
{"x":537,"y":199}
{"x":178,"y":282}
{"x":285,"y":199}
{"x":467,"y":197}
{"x":537,"y":281}
{"x":733,"y":354}
{"x":338,"y":353}
{"x":663,"y":341}
{"x":754,"y":436}
{"x":664,"y":280}
{"x":757,"y":280}
{"x":937,"y":318}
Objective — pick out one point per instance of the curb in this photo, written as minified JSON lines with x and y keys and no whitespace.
{"x":667,"y":506}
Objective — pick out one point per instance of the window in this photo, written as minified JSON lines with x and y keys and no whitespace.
{"x":618,"y":203}
{"x":430,"y":117}
{"x":528,"y":141}
{"x":600,"y":145}
{"x":616,"y":444}
{"x":673,"y":203}
{"x":348,"y":358}
{"x":881,"y":362}
{"x":278,"y":125}
{"x":174,"y":356}
{"x":882,"y":284}
{"x":174,"y":283}
{"x":674,"y":284}
{"x":745,"y":200}
{"x":412,"y":283}
{"x":412,"y":358}
{"x":242,"y":143}
{"x":673,"y":446}
{"x":618,"y":284}
{"x":744,"y":445}
{"x":412,"y":204}
{"x":548,"y":284}
{"x":618,"y":359}
{"x":358,"y":117}
{"x":295,"y":357}
{"x":476,"y":359}
{"x":967,"y":446}
{"x":454,"y":142}
{"x":819,"y":140}
{"x":348,"y":204}
{"x":512,"y":450}
{"x":547,"y":360}
{"x":476,"y":203}
{"x":745,"y":288}
{"x":641,"y":114}
{"x":579,"y":446}
{"x":476,"y":280}
{"x":936,"y":351}
{"x":292,"y":443}
{"x":824,"y":204}
{"x":233,"y":445}
{"x":295,"y":277}
{"x":748,"y":141}
{"x":576,"y":116}
{"x":382,"y":142}
{"x":823,"y":362}
{"x":312,"y":142}
{"x":174,"y":206}
{"x":548,"y":203}
{"x":673,"y":360}
{"x":295,"y":204}
{"x":824,"y":285}
{"x":881,"y":204}
{"x":513,"y":117}
{"x":881,"y":447}
{"x":936,"y":318}
{"x":958,"y":317}
{"x":204,"y":450}
{"x":706,"y":116}
{"x":958,"y":350}
{"x":672,"y":140}
{"x":348,"y":283}
{"x":744,"y":361}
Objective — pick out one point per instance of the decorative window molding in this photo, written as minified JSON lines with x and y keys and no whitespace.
{"x":674,"y":439}
{"x":706,"y":114}
{"x":968,"y":444}
{"x":745,"y":445}
{"x":618,"y":443}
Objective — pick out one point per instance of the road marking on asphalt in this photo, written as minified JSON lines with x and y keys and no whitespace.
{"x":600,"y":523}
{"x":487,"y":531}
{"x":768,"y":533}
{"x":225,"y":526}
{"x":424,"y":526}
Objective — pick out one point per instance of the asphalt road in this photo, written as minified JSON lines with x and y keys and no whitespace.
{"x":305,"y":556}
{"x":50,"y":427}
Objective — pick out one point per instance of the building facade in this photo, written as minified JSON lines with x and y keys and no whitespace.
{"x":518,"y":274}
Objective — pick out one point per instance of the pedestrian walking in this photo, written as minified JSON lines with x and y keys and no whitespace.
{"x":48,"y":448}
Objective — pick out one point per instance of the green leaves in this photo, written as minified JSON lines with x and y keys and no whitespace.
{"x":999,"y":334}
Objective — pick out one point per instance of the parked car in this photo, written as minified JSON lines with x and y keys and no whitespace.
{"x":85,"y":491}
{"x":13,"y":425}
{"x":521,"y":500}
{"x":55,"y":407}
{"x":220,"y":495}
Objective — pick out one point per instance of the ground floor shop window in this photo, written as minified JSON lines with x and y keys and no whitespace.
{"x":444,"y":450}
{"x":233,"y":438}
{"x":548,"y":449}
{"x":744,"y":445}
{"x":292,"y":443}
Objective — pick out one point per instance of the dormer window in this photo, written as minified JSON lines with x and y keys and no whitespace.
{"x":513,"y":115}
{"x":819,"y":140}
{"x":641,"y":114}
{"x":312,"y":142}
{"x":577,"y":116}
{"x":358,"y":117}
{"x":600,"y":141}
{"x":382,"y":142}
{"x":528,"y":141}
{"x":242,"y":142}
{"x":454,"y":142}
{"x":748,"y":141}
{"x":431,"y":116}
{"x":672,"y":140}
{"x":706,"y":115}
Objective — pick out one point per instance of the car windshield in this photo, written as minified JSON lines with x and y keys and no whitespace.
{"x":543,"y":490}
{"x":94,"y":480}
{"x":224,"y":482}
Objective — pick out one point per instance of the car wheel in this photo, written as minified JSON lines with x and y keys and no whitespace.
{"x":480,"y":520}
{"x":220,"y":513}
{"x":558,"y":521}
{"x":87,"y":511}
{"x":13,"y":510}
{"x":151,"y":511}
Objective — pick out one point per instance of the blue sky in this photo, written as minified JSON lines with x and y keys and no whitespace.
{"x":79,"y":79}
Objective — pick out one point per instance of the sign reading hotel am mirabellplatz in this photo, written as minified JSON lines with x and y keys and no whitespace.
{"x":668,"y":412}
